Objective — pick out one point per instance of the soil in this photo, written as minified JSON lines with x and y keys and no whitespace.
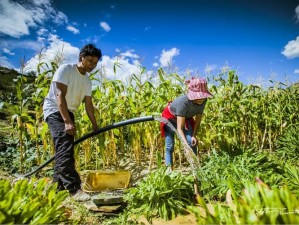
{"x":188,"y":219}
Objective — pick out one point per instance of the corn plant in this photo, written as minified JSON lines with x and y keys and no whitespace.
{"x":219,"y":167}
{"x":21,"y":117}
{"x":238,"y":117}
{"x":291,"y":177}
{"x":41,"y":87}
{"x":31,"y":202}
{"x":287,"y":144}
{"x":258,"y":204}
{"x":250,"y":116}
{"x":162,"y":193}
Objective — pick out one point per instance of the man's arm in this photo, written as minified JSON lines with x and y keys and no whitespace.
{"x":62,"y":105}
{"x":90,"y":112}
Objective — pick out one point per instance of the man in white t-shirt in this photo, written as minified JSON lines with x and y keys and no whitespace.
{"x":70,"y":86}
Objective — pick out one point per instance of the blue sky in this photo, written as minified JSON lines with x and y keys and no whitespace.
{"x":257,"y":38}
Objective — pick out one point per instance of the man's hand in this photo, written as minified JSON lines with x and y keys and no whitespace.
{"x":70,"y":129}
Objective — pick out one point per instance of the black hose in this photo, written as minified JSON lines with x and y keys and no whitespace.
{"x":101,"y":130}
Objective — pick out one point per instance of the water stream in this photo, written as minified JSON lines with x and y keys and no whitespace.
{"x":189,"y":154}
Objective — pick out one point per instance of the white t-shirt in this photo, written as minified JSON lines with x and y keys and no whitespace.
{"x":78,"y":86}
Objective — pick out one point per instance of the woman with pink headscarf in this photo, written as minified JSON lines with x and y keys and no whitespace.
{"x":185,"y":113}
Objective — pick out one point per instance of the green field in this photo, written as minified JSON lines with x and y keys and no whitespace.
{"x":248,"y":150}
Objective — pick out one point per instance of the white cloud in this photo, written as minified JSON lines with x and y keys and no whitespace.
{"x":58,"y":50}
{"x":73,"y":29}
{"x":16,"y":19}
{"x":23,"y":44}
{"x":291,"y":50}
{"x":41,"y":39}
{"x":42,"y":32}
{"x":118,"y":67}
{"x":155,"y":64}
{"x":128,"y":54}
{"x":41,"y":2}
{"x":166,"y":57}
{"x":297,"y":13}
{"x":59,"y":18}
{"x":296,"y":71}
{"x":4,"y":62}
{"x":105,"y":26}
{"x":7,"y":51}
{"x":124,"y":69}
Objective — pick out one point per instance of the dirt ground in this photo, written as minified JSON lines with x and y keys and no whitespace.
{"x":188,"y":219}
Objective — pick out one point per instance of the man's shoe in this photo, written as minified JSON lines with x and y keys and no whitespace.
{"x":81,"y":196}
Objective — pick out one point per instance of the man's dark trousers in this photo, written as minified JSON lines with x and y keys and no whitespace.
{"x":64,"y":170}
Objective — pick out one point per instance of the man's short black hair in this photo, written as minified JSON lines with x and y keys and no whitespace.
{"x":90,"y":50}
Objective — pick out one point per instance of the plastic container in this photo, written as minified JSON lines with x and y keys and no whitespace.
{"x":106,"y":180}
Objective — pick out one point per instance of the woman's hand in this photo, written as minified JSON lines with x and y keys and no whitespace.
{"x":193,"y":141}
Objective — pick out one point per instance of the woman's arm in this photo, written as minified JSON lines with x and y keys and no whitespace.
{"x":180,"y":127}
{"x":196,"y":127}
{"x":197,"y":124}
